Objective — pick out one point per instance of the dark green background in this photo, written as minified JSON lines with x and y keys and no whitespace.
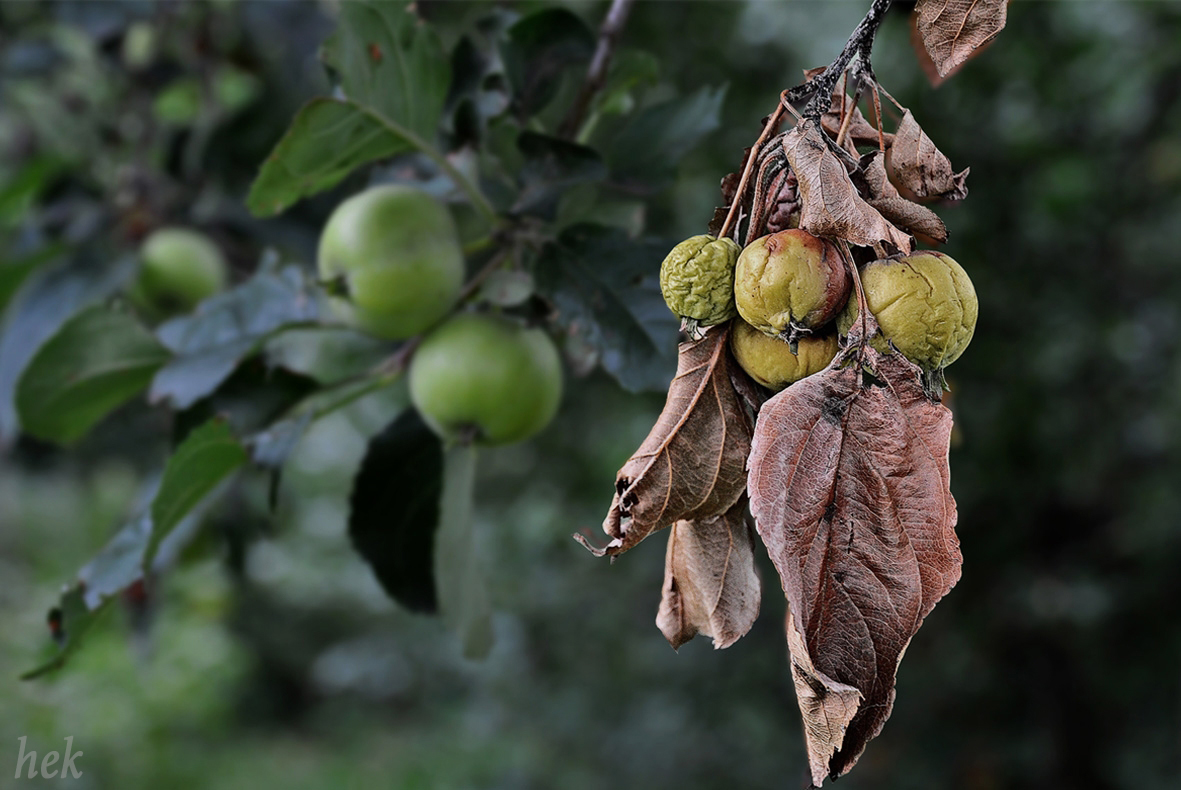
{"x":1056,"y":661}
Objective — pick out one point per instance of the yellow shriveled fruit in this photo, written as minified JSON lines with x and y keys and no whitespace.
{"x":790,"y":283}
{"x":697,"y":279}
{"x":924,"y":303}
{"x":769,"y":361}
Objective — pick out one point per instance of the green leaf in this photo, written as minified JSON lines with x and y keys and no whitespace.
{"x":69,"y":622}
{"x":117,"y":568}
{"x":229,"y":327}
{"x":629,"y":69}
{"x":98,"y":360}
{"x":206,"y":458}
{"x":46,"y":300}
{"x":394,"y":75}
{"x":255,"y":394}
{"x":328,"y":139}
{"x":391,"y":62}
{"x":539,"y":51}
{"x":20,"y":191}
{"x":394,"y":510}
{"x":605,"y":288}
{"x":270,"y":448}
{"x":551,"y":167}
{"x":15,"y":270}
{"x":479,"y":90}
{"x":644,"y":155}
{"x":463,"y":596}
{"x":179,"y":103}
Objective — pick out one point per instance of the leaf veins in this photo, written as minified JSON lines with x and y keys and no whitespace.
{"x":849,"y":486}
{"x":711,"y":586}
{"x":693,"y":463}
{"x":952,"y":30}
{"x":831,"y":205}
{"x":920,"y":169}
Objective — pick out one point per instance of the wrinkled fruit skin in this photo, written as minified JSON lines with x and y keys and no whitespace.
{"x":486,"y":378}
{"x":697,"y":279}
{"x":178,"y":268}
{"x":924,"y":304}
{"x":790,"y":279}
{"x":769,"y":361}
{"x":397,"y":254}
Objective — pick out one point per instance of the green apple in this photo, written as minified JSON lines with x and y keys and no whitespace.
{"x":487,"y":379}
{"x":395,"y":253}
{"x":178,"y":268}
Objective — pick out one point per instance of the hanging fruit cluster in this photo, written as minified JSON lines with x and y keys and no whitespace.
{"x":807,"y":408}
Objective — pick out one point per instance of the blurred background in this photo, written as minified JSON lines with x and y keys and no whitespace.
{"x":271,"y":657}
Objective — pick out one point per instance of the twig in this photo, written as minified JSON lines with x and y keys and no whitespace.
{"x":596,"y":75}
{"x":772,"y":123}
{"x":877,"y":111}
{"x":494,"y":263}
{"x":847,"y":117}
{"x":862,"y":305}
{"x":818,"y":91}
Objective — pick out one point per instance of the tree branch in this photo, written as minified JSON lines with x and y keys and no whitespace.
{"x":818,"y":91}
{"x":596,"y":75}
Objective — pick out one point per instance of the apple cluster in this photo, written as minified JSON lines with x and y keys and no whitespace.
{"x":391,"y":256}
{"x":789,"y":299}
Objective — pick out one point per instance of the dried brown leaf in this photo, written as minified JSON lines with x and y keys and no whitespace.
{"x":953,"y":30}
{"x":914,"y":219}
{"x":827,"y":706}
{"x":872,"y":181}
{"x":783,"y":202}
{"x":849,"y":486}
{"x":918,"y":168}
{"x":711,"y":586}
{"x":831,"y":205}
{"x":924,"y":57}
{"x":693,"y":463}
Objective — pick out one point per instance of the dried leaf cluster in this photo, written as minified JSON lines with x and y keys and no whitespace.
{"x":844,"y":475}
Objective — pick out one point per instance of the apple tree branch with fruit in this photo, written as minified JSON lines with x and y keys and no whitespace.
{"x":491,"y":249}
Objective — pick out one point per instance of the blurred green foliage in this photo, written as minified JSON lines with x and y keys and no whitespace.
{"x":271,"y":656}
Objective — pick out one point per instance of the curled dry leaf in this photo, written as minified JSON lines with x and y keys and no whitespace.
{"x":953,"y":30}
{"x":693,"y":463}
{"x":871,"y":180}
{"x":783,"y":202}
{"x":831,"y":205}
{"x":711,"y":586}
{"x":914,"y":219}
{"x":849,"y":486}
{"x":874,"y":185}
{"x":919,"y":169}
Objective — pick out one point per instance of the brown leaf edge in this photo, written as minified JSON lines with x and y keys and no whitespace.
{"x":711,"y":586}
{"x":692,"y":465}
{"x":953,"y":31}
{"x":918,"y":221}
{"x":850,"y":488}
{"x":920,"y":170}
{"x":831,"y":205}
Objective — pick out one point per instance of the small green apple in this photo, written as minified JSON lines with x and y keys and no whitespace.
{"x":487,"y":379}
{"x":395,"y":252}
{"x":178,"y":269}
